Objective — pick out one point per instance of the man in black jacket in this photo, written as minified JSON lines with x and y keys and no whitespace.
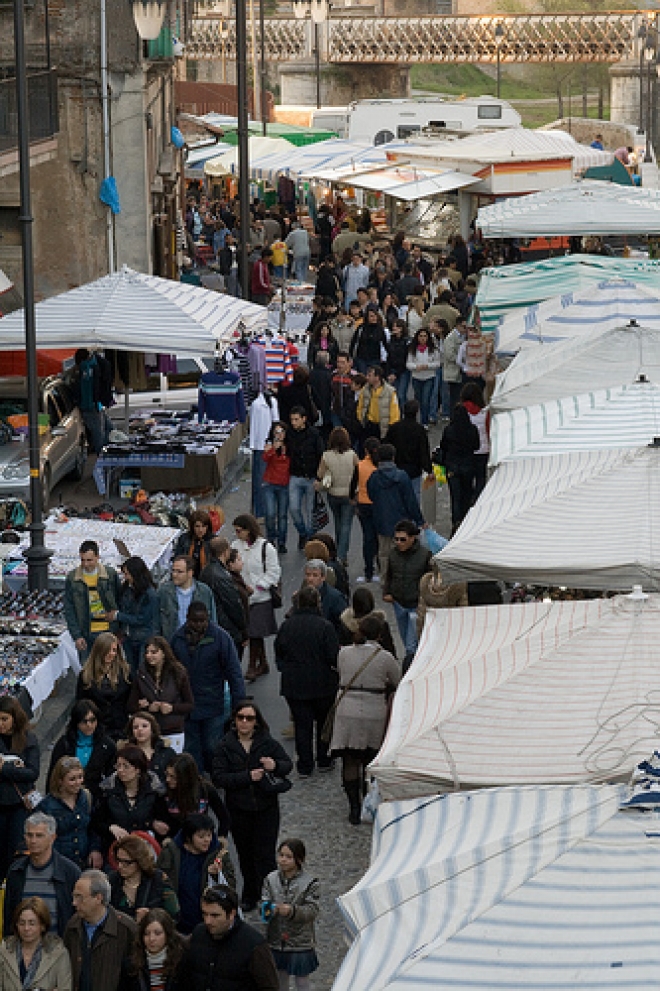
{"x":306,"y":649}
{"x":228,"y":606}
{"x":305,"y":448}
{"x":43,"y":872}
{"x":407,"y":563}
{"x":411,"y":445}
{"x":225,"y":952}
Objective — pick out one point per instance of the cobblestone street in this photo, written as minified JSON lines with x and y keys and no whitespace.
{"x":315,"y":810}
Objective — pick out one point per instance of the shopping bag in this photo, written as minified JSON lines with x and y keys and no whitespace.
{"x":370,"y":803}
{"x":434,"y":542}
{"x":320,"y":515}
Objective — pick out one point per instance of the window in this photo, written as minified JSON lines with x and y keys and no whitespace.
{"x":52,"y":409}
{"x":406,"y":130}
{"x":489,"y":111}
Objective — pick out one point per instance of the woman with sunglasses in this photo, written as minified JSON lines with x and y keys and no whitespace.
{"x":85,"y":739}
{"x":138,"y":885}
{"x":70,"y":805}
{"x":250,"y":765}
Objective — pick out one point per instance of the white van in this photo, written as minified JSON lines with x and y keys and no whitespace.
{"x":378,"y":122}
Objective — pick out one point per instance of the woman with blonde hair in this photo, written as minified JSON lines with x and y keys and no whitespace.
{"x":33,"y":957}
{"x":70,"y":805}
{"x":105,"y":680}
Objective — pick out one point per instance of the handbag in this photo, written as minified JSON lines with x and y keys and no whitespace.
{"x":273,"y":784}
{"x":320,"y":515}
{"x":30,"y":799}
{"x":329,"y":724}
{"x":275,"y":590}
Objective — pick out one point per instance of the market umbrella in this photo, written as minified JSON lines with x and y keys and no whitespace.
{"x":556,"y":692}
{"x":130,"y":311}
{"x":587,"y":519}
{"x":606,"y":305}
{"x":602,"y":359}
{"x":623,"y":416}
{"x":542,"y":889}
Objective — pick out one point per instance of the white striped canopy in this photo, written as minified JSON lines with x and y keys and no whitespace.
{"x":131,"y":311}
{"x":537,"y":889}
{"x":561,"y":692}
{"x":608,"y":304}
{"x":584,"y":208}
{"x":625,"y":416}
{"x":259,"y":148}
{"x":585,"y":520}
{"x":601,"y":359}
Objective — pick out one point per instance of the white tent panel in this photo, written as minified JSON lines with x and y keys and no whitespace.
{"x":131,"y":311}
{"x":601,"y":359}
{"x":585,"y":520}
{"x":561,"y":692}
{"x":412,"y":184}
{"x":259,"y":148}
{"x":608,"y":304}
{"x":587,"y":207}
{"x":627,"y":416}
{"x":534,"y":888}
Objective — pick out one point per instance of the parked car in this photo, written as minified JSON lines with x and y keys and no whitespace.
{"x":63,"y":442}
{"x":171,"y":390}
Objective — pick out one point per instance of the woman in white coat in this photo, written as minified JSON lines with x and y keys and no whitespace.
{"x":262,"y":572}
{"x":34,"y":958}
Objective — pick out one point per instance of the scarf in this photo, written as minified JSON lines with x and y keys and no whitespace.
{"x":84,"y":747}
{"x":156,"y":967}
{"x":31,"y":971}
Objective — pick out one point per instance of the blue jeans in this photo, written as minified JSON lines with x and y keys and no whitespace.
{"x":276,"y":504}
{"x":301,"y":501}
{"x":301,"y":268}
{"x":423,"y":389}
{"x":342,"y":511}
{"x":96,"y":422}
{"x":417,"y":488}
{"x":406,"y":620}
{"x":202,"y":738}
{"x":369,"y":537}
{"x":440,"y":395}
{"x":401,"y":385}
{"x":258,"y":469}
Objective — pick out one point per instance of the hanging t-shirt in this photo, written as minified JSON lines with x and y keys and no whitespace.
{"x":98,"y":623}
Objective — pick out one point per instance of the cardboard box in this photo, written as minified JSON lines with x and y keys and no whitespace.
{"x":128,"y":487}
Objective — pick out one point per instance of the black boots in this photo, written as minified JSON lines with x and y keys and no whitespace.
{"x":354,"y":792}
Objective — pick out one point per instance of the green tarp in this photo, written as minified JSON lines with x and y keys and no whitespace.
{"x":616,"y":172}
{"x":297,"y":136}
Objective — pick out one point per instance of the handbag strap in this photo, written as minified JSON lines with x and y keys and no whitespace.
{"x":357,"y":674}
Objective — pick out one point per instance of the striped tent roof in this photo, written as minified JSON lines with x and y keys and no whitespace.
{"x":131,"y":311}
{"x":541,"y":889}
{"x":625,"y":416}
{"x":561,"y":692}
{"x":606,"y":305}
{"x":601,"y":359}
{"x":509,"y":287}
{"x":587,"y":519}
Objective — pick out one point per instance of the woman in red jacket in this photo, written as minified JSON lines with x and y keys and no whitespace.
{"x":276,"y":485}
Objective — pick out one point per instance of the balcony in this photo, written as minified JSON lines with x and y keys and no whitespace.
{"x":42,"y":105}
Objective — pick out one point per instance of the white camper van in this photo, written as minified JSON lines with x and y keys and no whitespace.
{"x":381,"y":121}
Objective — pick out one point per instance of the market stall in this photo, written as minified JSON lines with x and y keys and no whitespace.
{"x":64,"y":536}
{"x":556,"y":692}
{"x":35,"y":646}
{"x":529,"y":888}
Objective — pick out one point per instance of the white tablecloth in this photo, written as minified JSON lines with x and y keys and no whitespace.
{"x":42,"y":680}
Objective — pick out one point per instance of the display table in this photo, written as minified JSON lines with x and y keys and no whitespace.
{"x":200,"y":471}
{"x":298,"y":309}
{"x":41,"y":682}
{"x":152,"y":543}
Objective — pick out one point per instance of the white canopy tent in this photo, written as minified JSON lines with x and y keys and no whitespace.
{"x":604,"y":306}
{"x":259,"y":149}
{"x":131,"y":311}
{"x":587,"y":207}
{"x":624,"y":416}
{"x":408,"y":183}
{"x":601,"y":359}
{"x":556,"y":692}
{"x":541,"y":889}
{"x":585,"y":520}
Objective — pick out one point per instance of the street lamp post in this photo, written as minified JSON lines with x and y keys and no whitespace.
{"x":319,"y":10}
{"x":649,"y":53}
{"x":499,"y":37}
{"x":641,"y":37}
{"x":37,"y":555}
{"x":262,"y":67}
{"x":243,"y":152}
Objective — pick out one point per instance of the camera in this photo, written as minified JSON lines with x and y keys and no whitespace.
{"x":267,"y":911}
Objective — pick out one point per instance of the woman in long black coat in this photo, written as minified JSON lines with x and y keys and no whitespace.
{"x":250,"y":765}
